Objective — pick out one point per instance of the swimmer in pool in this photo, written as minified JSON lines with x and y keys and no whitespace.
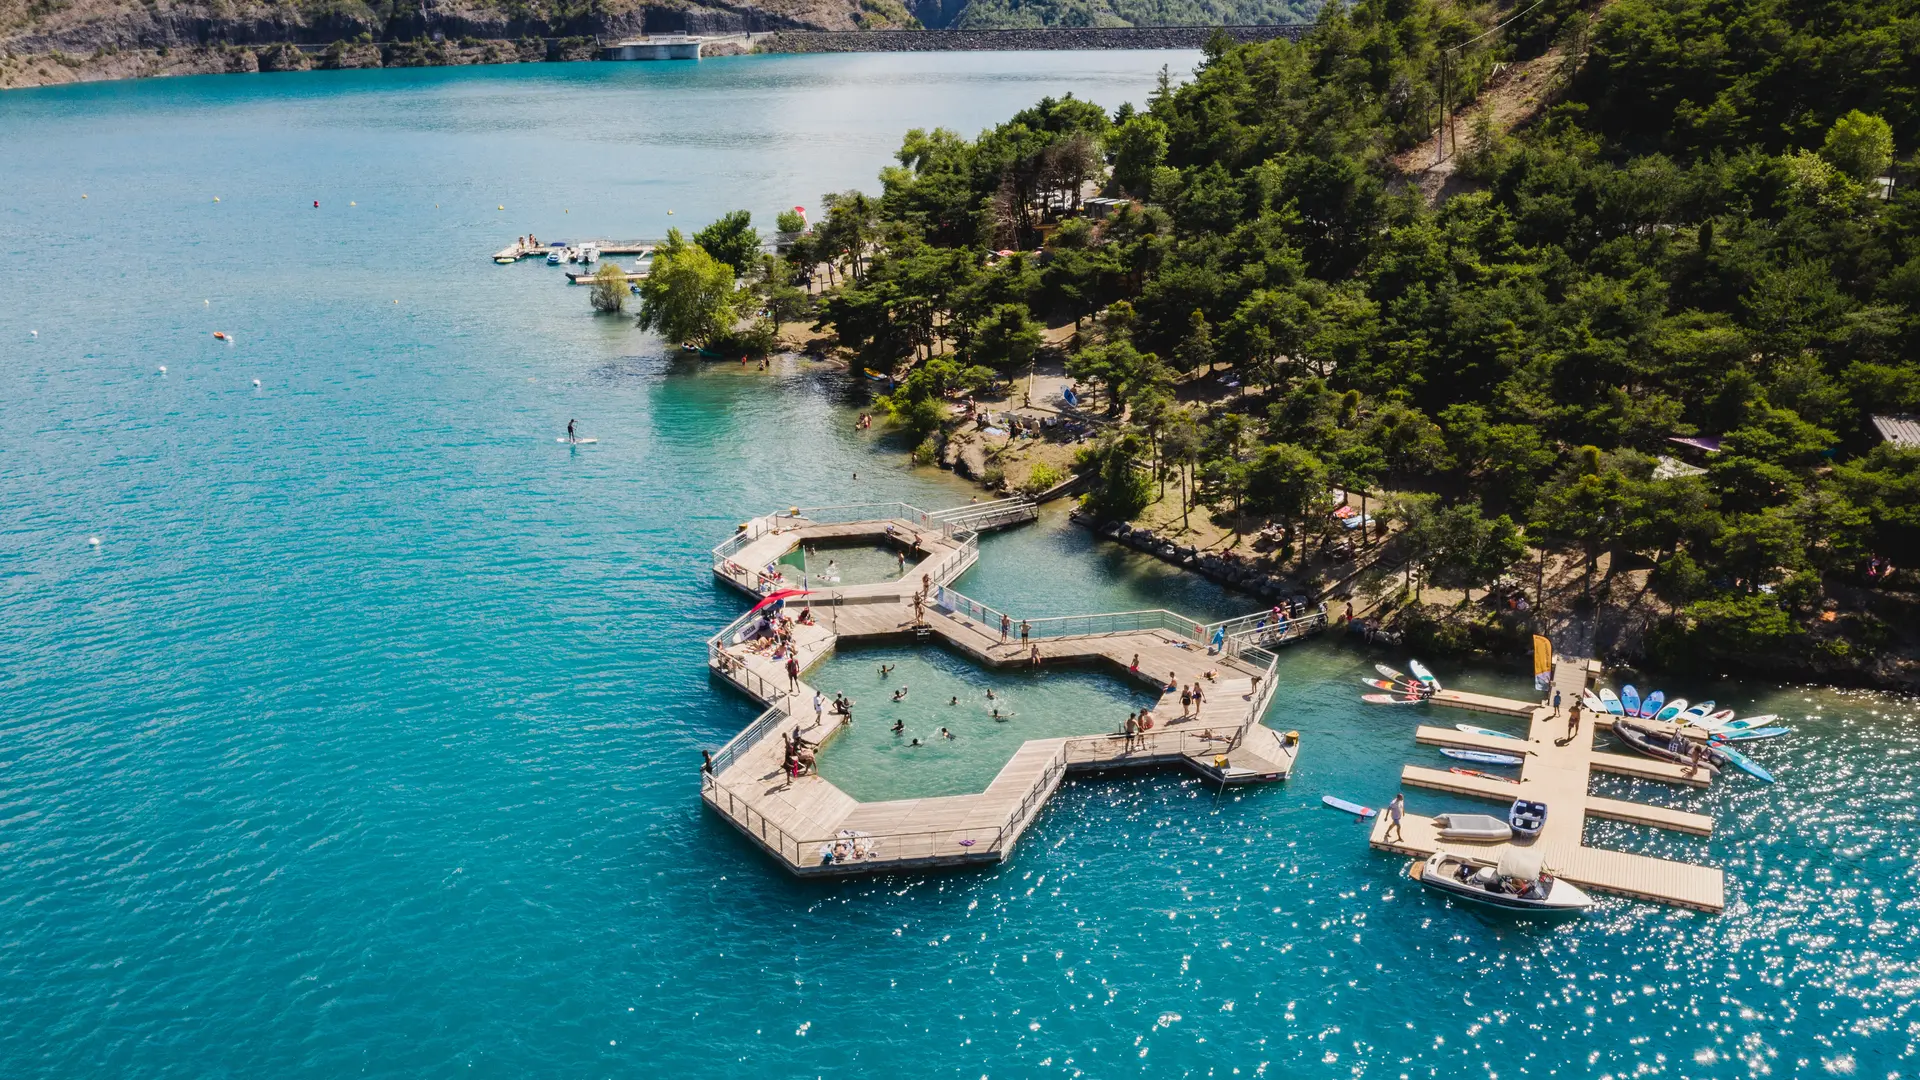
{"x":900,"y":693}
{"x":900,"y":726}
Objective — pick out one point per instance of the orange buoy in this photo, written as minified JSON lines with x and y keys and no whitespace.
{"x":220,"y":334}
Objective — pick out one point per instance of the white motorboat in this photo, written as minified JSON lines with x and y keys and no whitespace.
{"x":1516,"y":883}
{"x":1481,"y":827}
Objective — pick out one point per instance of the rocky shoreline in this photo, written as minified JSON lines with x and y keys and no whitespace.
{"x":157,"y":46}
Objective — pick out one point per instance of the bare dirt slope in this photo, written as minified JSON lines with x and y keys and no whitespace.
{"x":1512,"y":97}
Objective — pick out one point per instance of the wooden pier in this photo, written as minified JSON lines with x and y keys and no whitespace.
{"x":1559,"y":776}
{"x":813,"y":828}
{"x":521,"y":249}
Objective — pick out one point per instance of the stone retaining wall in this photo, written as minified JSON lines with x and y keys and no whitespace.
{"x":1057,"y":38}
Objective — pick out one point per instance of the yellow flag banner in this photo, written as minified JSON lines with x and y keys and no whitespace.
{"x":1542,"y":663}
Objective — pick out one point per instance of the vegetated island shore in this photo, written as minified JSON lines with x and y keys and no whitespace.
{"x":1605,"y":343}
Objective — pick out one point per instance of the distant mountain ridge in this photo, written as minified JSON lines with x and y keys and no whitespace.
{"x":56,"y":41}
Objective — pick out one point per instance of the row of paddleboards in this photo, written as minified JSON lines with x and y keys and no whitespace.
{"x":1401,"y":688}
{"x":1679,"y":711}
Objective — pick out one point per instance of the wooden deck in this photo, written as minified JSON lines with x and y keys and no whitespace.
{"x":1559,"y":775}
{"x":814,"y":828}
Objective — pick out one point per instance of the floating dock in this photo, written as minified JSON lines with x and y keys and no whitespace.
{"x":521,"y":249}
{"x":1559,"y":775}
{"x":812,"y":828}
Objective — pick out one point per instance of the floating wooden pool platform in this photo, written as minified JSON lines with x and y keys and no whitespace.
{"x":812,"y":828}
{"x":1559,"y":775}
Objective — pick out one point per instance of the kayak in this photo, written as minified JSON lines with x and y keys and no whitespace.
{"x":1471,"y":730}
{"x":1481,"y":756}
{"x":1629,"y":700}
{"x":1611,"y":701}
{"x":1653,"y":703}
{"x":1389,"y":699}
{"x":1742,"y":760}
{"x":1362,"y":812}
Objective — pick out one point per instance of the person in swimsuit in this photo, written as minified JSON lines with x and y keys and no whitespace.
{"x":570,"y":431}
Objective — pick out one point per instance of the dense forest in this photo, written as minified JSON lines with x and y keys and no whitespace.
{"x":1691,"y":235}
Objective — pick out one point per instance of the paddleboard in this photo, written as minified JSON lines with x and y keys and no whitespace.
{"x":1420,"y":672}
{"x":1388,"y":699}
{"x":1611,"y":701}
{"x":1355,"y":809}
{"x":1471,"y":730}
{"x":1396,"y":676}
{"x":1387,"y":684}
{"x":1482,"y":775}
{"x":1480,"y":756}
{"x":1592,"y":701}
{"x":1743,"y":761}
{"x":1653,"y":703}
{"x":1756,"y":733}
{"x":1747,"y":724}
{"x":577,"y":442}
{"x":1674,"y":708}
{"x":1630,"y":700}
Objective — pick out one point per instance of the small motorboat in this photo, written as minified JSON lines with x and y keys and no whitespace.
{"x":1484,"y":828}
{"x":1668,"y":747}
{"x":1527,"y":817}
{"x":556,"y":254}
{"x":1516,"y":883}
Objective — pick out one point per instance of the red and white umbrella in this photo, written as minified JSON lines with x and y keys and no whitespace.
{"x":776,"y":597}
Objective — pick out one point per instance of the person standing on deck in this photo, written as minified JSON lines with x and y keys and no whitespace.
{"x":819,"y":708}
{"x":1573,"y":725}
{"x":793,"y":674}
{"x":1006,"y":628}
{"x":1186,"y":702}
{"x":1395,"y":810}
{"x":1556,"y":703}
{"x":1131,"y":728}
{"x":1024,"y":628}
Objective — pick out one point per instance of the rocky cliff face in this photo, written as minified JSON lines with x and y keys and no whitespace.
{"x":43,"y":41}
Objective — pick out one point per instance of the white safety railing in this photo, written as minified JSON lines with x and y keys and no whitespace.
{"x":763,"y":725}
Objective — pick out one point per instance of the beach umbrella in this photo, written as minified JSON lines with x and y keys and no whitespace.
{"x":774,"y":598}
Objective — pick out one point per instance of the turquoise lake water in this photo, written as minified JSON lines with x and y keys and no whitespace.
{"x":366,"y":741}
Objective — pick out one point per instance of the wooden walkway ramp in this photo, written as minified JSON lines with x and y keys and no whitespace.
{"x":1559,"y":774}
{"x":813,"y":828}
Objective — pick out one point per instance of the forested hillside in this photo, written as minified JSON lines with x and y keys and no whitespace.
{"x":1691,"y":238}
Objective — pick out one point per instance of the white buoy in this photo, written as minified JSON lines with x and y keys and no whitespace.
{"x":35,"y":333}
{"x":209,"y":303}
{"x":93,"y":541}
{"x":163,"y":369}
{"x":256,"y":384}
